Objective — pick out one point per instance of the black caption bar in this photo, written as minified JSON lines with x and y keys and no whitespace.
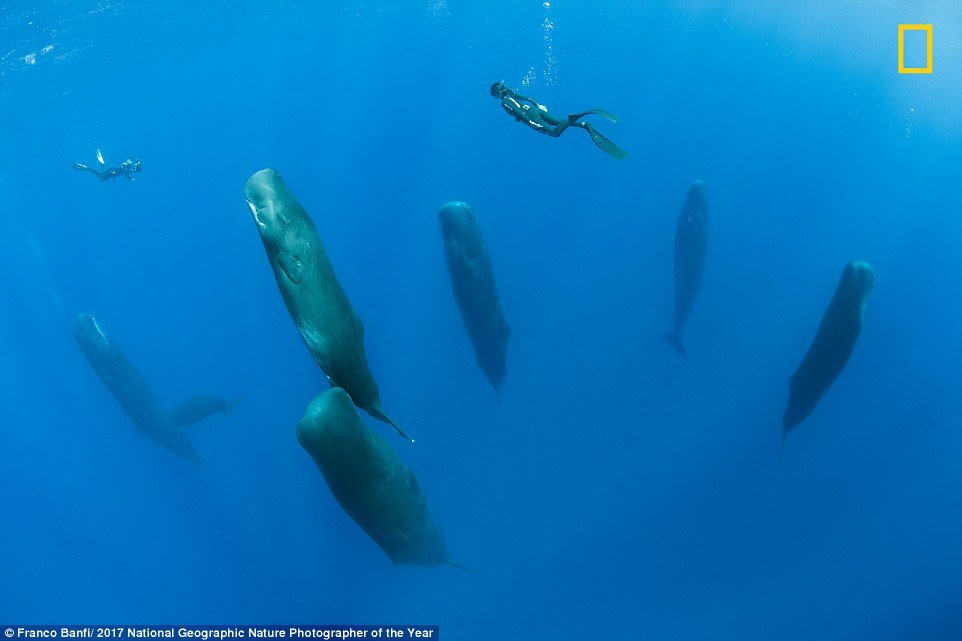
{"x":219,"y":632}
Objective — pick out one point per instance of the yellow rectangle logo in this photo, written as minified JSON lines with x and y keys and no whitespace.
{"x":927,"y":28}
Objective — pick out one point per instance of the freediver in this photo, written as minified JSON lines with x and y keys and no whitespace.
{"x":535,"y":115}
{"x":126,"y":168}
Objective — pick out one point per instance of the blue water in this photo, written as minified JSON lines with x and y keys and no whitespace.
{"x":617,"y":491}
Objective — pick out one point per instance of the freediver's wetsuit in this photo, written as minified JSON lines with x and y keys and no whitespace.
{"x":126,"y":168}
{"x":535,"y":115}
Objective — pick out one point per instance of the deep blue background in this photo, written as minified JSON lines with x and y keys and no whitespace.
{"x":617,"y":488}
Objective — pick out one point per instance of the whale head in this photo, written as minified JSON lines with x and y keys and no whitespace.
{"x":280,"y":218}
{"x":87,"y":332}
{"x":459,"y":229}
{"x":696,"y":201}
{"x":266,"y":195}
{"x":288,"y":233}
{"x":455,"y":217}
{"x":858,"y":278}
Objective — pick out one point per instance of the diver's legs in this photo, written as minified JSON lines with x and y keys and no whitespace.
{"x":83,"y":167}
{"x":546,"y":124}
{"x":552,"y":120}
{"x":548,"y":130}
{"x":557,"y":130}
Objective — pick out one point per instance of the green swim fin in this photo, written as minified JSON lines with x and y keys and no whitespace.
{"x":604,"y":144}
{"x":607,"y":115}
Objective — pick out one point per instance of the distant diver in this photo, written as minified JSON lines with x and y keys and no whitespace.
{"x":126,"y":168}
{"x":535,"y":115}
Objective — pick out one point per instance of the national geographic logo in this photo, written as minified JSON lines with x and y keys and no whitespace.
{"x":927,"y":28}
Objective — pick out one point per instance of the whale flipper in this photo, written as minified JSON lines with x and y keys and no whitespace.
{"x":378,"y":412}
{"x":293,"y":268}
{"x":462,"y":567}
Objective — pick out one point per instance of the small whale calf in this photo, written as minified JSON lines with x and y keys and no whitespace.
{"x":370,"y":481}
{"x":129,"y":387}
{"x":200,"y":407}
{"x":472,"y":280}
{"x":330,"y":328}
{"x":691,"y":241}
{"x":833,"y":344}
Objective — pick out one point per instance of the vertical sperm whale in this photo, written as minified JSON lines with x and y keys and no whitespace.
{"x":832,"y":346}
{"x":129,"y":387}
{"x":472,"y":280}
{"x":370,"y":481}
{"x":330,"y":328}
{"x":691,"y":241}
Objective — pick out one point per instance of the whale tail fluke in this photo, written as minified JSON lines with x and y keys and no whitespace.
{"x":604,"y":144}
{"x":378,"y":412}
{"x":233,"y":404}
{"x":674,"y":340}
